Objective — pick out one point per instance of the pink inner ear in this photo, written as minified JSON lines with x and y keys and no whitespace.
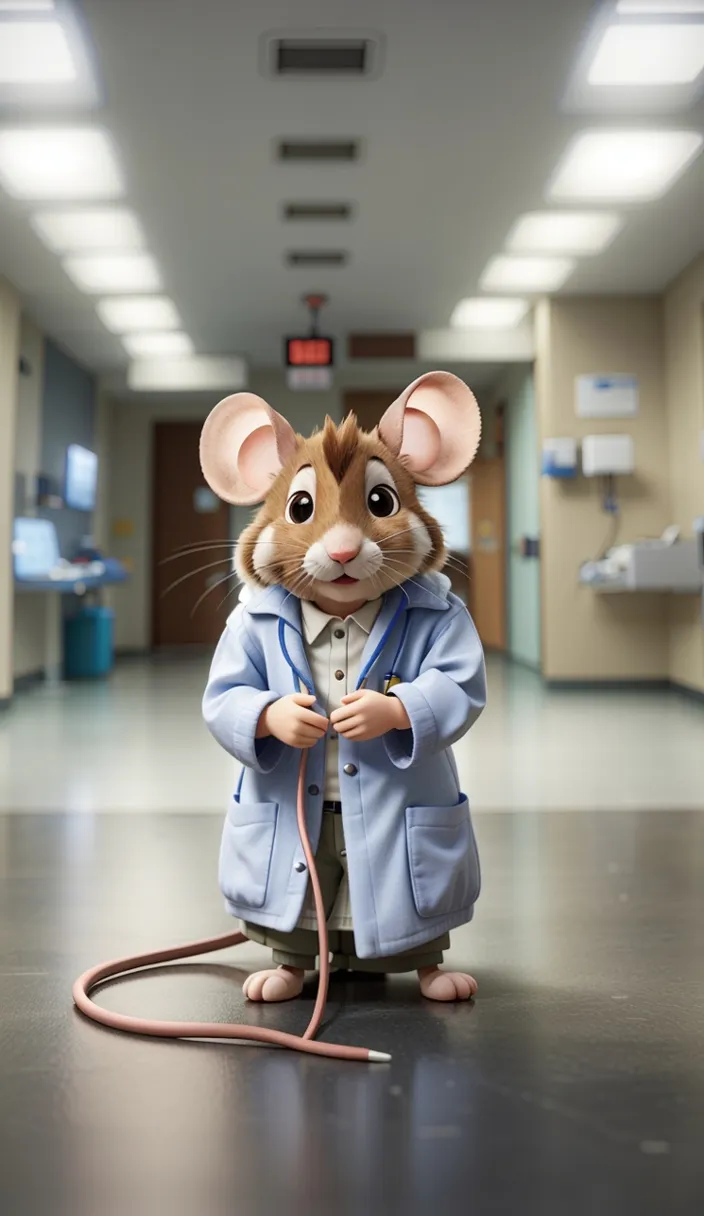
{"x":258,"y":461}
{"x":421,"y":440}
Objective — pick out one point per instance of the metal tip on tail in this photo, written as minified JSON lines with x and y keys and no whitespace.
{"x":378,"y":1057}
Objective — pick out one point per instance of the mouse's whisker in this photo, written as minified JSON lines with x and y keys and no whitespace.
{"x":217,"y":583}
{"x":192,"y":574}
{"x":229,"y":593}
{"x":204,"y":546}
{"x":405,"y":578}
{"x":196,"y":549}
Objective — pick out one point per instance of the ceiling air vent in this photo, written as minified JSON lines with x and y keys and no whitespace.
{"x":317,"y":150}
{"x":316,"y":257}
{"x":304,"y":56}
{"x":317,"y":211}
{"x":348,"y":55}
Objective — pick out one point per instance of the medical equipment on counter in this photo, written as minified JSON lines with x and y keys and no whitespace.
{"x":666,"y":564}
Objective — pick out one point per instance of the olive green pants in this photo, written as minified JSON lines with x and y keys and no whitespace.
{"x":300,"y":947}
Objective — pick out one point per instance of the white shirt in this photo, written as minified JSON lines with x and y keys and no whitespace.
{"x":334,"y":648}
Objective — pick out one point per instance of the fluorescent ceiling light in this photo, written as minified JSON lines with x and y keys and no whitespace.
{"x":127,"y":314}
{"x":623,"y":165}
{"x":113,"y":271}
{"x":88,"y":228}
{"x":526,"y":274}
{"x":649,"y":55}
{"x":58,"y":162}
{"x":637,"y":7}
{"x":480,"y":313}
{"x":26,"y":6}
{"x":182,"y":375}
{"x":34,"y":52}
{"x":572,"y":232}
{"x":157,"y":345}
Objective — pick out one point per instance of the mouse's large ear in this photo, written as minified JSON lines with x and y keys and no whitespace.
{"x":243,"y":445}
{"x":435,"y":427}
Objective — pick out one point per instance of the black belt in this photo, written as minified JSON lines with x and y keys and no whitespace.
{"x":335,"y":807}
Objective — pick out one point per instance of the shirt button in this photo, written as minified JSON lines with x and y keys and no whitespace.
{"x":350,"y":769}
{"x":339,"y":633}
{"x":339,"y":675}
{"x":300,"y":867}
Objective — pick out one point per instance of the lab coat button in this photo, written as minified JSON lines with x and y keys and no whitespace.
{"x":300,"y":867}
{"x":313,"y":789}
{"x":351,"y":770}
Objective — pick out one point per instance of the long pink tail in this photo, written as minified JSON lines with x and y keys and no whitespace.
{"x":85,"y":984}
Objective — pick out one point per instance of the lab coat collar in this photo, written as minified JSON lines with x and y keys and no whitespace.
{"x":315,"y":621}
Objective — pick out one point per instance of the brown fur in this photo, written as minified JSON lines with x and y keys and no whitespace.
{"x":339,"y":456}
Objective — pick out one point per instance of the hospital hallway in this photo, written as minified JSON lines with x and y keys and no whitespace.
{"x":579,"y":1063}
{"x":352,"y":351}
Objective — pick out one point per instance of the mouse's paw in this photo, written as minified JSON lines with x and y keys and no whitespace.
{"x":439,"y":985}
{"x":280,"y":984}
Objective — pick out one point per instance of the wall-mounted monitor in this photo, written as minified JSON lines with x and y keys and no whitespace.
{"x":81,"y":478}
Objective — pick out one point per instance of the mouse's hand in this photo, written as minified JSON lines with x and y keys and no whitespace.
{"x":292,"y":720}
{"x":365,"y":715}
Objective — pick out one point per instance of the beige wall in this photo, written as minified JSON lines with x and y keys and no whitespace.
{"x":587,"y":636}
{"x":9,"y":357}
{"x":684,"y":381}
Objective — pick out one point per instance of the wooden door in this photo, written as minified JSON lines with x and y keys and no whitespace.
{"x":187,"y":520}
{"x":488,"y":581}
{"x":369,"y":405}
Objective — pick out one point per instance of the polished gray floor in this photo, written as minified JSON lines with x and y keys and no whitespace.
{"x":574,"y":1084}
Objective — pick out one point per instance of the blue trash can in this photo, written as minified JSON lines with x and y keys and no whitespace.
{"x":88,"y":643}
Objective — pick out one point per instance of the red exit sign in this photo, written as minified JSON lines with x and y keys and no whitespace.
{"x":309,"y":352}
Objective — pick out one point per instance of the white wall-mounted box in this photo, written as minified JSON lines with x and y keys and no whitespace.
{"x":607,"y":455}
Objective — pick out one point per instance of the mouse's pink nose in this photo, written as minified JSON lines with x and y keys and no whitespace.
{"x":343,"y":555}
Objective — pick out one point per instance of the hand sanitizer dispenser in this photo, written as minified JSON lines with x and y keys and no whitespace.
{"x":607,"y":455}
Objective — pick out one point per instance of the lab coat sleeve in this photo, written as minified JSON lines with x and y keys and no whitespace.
{"x":235,"y":696}
{"x":446,"y":697}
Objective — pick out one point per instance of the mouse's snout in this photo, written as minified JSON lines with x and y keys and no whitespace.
{"x":343,"y":543}
{"x":343,"y":555}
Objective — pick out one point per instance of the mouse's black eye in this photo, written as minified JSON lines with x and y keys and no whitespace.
{"x":300,"y":507}
{"x":383,"y":501}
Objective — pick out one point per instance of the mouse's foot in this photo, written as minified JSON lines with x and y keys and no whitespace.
{"x":281,"y":984}
{"x":440,"y":985}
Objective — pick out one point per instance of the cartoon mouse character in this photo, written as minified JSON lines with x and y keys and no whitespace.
{"x":351,"y":645}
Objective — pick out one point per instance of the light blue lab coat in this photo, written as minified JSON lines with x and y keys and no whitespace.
{"x":411,"y":854}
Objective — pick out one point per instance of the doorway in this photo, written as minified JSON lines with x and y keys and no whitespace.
{"x":190,"y":584}
{"x":369,"y":406}
{"x":487,"y":600}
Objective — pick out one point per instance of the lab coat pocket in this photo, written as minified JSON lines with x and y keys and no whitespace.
{"x":245,"y":852}
{"x":442,"y":857}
